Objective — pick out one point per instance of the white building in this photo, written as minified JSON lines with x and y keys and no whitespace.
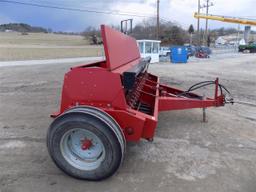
{"x":8,"y":31}
{"x":242,"y":42}
{"x":229,"y":40}
{"x":149,"y":48}
{"x":220,"y":41}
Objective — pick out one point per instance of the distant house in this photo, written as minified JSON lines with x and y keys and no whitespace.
{"x":220,"y":41}
{"x":228,"y":40}
{"x":242,"y":42}
{"x":8,"y":30}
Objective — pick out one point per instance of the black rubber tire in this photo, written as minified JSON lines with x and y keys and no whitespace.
{"x":102,"y":125}
{"x":246,"y":51}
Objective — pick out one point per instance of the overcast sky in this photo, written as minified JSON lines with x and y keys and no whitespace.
{"x":180,"y":11}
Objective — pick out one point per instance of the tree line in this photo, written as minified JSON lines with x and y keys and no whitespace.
{"x":23,"y":28}
{"x":170,"y":33}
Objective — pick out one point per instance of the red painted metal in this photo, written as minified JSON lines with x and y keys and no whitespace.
{"x":86,"y":144}
{"x":120,"y":49}
{"x":100,"y":85}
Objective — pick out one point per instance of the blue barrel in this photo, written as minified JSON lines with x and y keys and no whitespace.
{"x":179,"y":54}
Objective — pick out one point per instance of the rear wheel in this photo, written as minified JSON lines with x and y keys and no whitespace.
{"x":246,"y":51}
{"x":86,"y":143}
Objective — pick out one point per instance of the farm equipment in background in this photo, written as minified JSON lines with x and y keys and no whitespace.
{"x":203,"y":52}
{"x":95,"y":40}
{"x":164,"y":51}
{"x":251,"y":48}
{"x":107,"y":103}
{"x":126,"y":26}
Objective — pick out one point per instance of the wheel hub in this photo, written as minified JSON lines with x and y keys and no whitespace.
{"x":82,"y":149}
{"x":86,"y":144}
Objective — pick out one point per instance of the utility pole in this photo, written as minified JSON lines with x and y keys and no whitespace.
{"x":157,"y":21}
{"x":198,"y":24}
{"x":238,"y":37}
{"x":208,"y":4}
{"x":206,"y":21}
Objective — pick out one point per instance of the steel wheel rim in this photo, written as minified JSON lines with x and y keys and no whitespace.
{"x":71,"y":149}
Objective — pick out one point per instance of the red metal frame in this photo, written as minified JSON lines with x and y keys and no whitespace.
{"x":100,"y":85}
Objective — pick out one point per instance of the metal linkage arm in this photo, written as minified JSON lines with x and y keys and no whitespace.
{"x":175,"y":99}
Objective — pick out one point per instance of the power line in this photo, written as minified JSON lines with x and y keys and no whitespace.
{"x":109,"y":12}
{"x":102,"y":3}
{"x":112,"y":12}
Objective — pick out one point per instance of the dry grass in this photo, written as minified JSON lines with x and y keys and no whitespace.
{"x":42,"y":39}
{"x":14,"y":46}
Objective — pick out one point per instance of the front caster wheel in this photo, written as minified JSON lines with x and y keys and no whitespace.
{"x":86,"y":143}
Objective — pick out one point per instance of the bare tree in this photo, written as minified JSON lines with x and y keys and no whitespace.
{"x":191,"y":31}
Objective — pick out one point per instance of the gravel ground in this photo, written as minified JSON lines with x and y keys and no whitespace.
{"x":186,"y":155}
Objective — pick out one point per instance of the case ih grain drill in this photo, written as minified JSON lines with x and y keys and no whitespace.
{"x":106,"y":103}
